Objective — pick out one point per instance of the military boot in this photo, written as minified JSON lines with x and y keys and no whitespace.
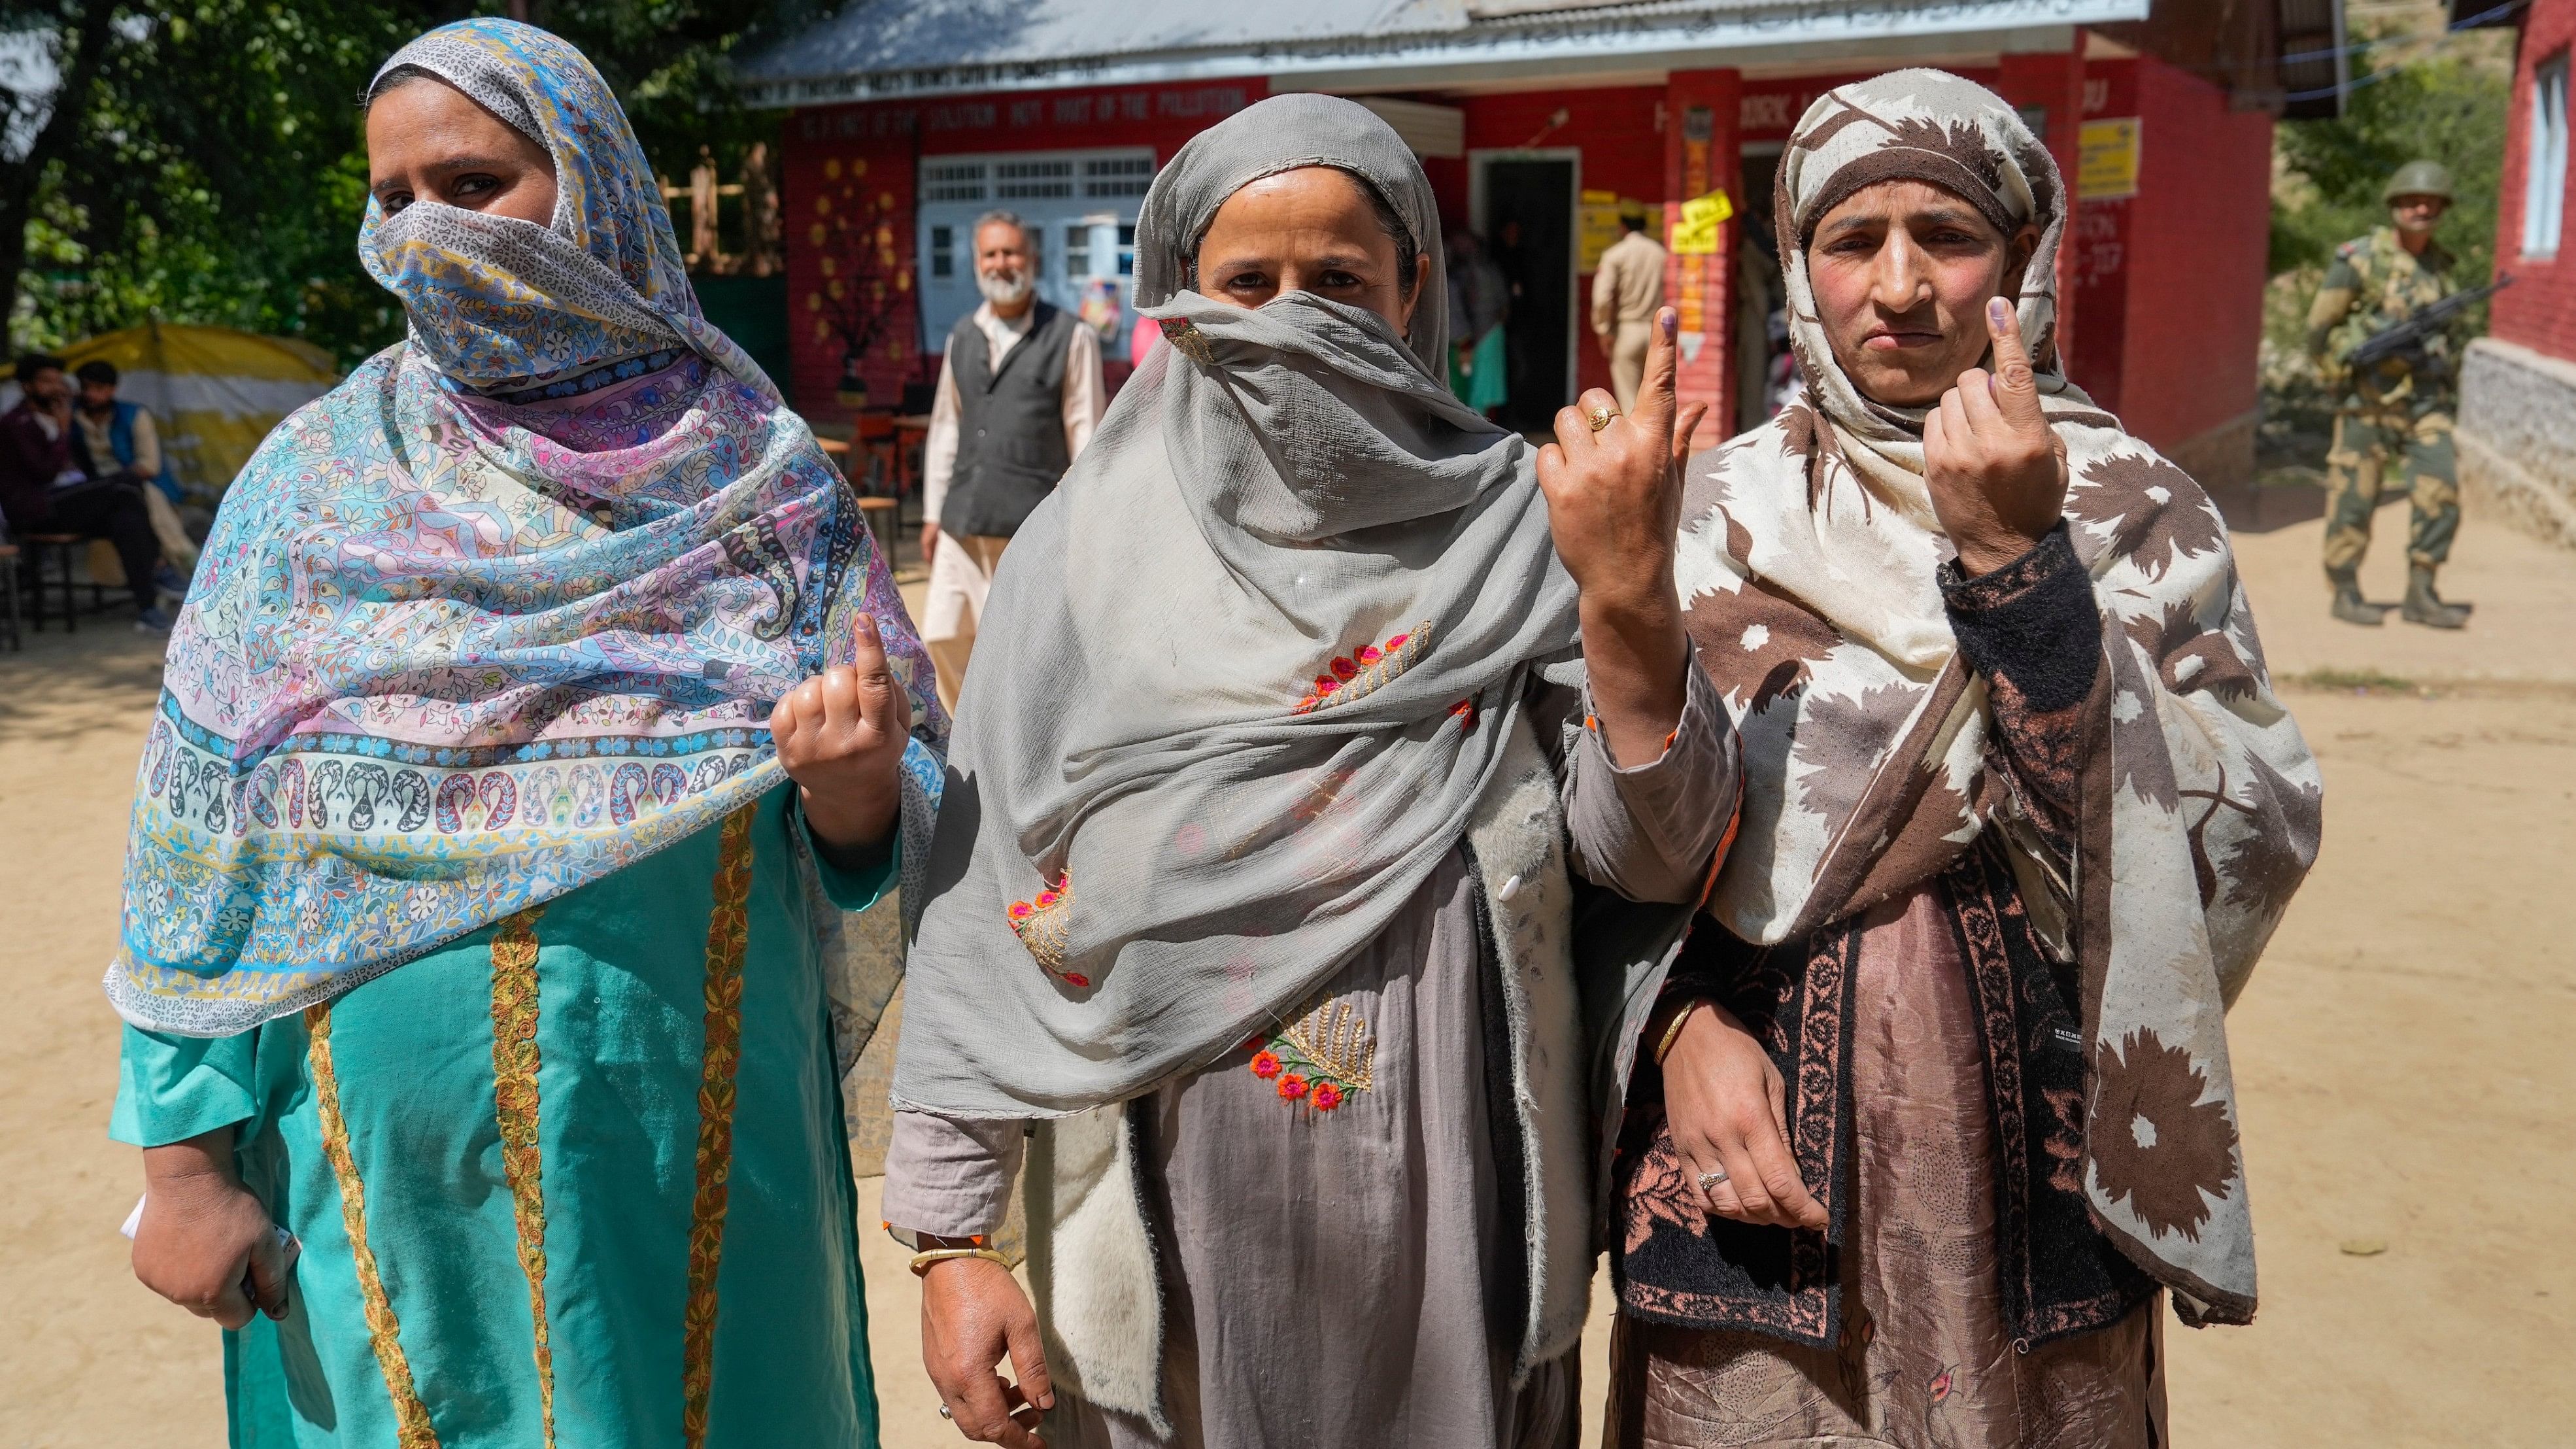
{"x":2352,"y":608}
{"x":2425,"y":607}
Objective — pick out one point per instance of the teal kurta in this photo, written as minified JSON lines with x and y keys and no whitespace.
{"x":686,"y":1243}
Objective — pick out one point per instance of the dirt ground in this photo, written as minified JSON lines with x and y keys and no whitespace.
{"x":2401,"y":1053}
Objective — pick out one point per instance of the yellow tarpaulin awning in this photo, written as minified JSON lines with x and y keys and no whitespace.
{"x":213,"y":392}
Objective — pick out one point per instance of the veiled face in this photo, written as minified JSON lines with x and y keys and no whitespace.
{"x":1902,"y":271}
{"x":426,"y":141}
{"x":1314,"y":229}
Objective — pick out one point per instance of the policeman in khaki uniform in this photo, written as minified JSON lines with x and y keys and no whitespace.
{"x":2395,"y":414}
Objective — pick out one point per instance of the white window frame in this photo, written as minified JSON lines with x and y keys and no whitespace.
{"x":1093,"y":193}
{"x":2544,"y":159}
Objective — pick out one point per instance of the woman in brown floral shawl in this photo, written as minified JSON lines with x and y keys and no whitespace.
{"x":1940,"y":1103}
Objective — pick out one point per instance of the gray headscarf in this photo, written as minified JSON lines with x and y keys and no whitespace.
{"x":1240,"y":680}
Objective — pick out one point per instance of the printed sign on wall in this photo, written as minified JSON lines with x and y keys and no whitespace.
{"x":1695,"y":235}
{"x":2106,"y":159}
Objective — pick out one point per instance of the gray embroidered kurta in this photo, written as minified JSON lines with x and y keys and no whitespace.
{"x":1351,"y":1275}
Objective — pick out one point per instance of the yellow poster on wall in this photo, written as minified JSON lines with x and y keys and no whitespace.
{"x":2106,"y":159}
{"x":1599,"y":228}
{"x":1695,"y":235}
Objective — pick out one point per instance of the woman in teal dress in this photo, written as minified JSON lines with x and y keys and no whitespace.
{"x":502,"y":901}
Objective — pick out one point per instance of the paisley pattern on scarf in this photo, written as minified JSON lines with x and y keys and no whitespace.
{"x":448,"y":657}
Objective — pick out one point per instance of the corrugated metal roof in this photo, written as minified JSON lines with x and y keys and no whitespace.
{"x":879,"y":48}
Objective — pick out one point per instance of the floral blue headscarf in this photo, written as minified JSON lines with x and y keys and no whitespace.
{"x":503,"y":613}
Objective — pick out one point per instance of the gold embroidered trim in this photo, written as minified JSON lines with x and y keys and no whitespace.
{"x":1356,"y":676}
{"x":1187,"y":339}
{"x":728,"y":935}
{"x":412,"y":1428}
{"x":514,"y":1102}
{"x":1321,"y":1058}
{"x":1338,"y":1043}
{"x":1045,"y":926}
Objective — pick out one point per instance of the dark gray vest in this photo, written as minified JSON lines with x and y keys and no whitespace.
{"x":1010,"y":425}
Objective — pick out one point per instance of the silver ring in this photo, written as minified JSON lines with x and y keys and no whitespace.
{"x":943,"y":1412}
{"x":1708,"y":1181}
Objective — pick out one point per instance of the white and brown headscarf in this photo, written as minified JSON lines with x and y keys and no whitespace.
{"x":1807,"y":566}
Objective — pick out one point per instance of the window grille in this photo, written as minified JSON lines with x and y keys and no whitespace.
{"x":1127,"y":251}
{"x":1077,"y":251}
{"x":1029,"y":180}
{"x":952,"y":181}
{"x":1118,"y":176}
{"x":943,"y":251}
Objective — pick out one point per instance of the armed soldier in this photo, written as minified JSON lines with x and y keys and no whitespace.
{"x":2393,"y":412}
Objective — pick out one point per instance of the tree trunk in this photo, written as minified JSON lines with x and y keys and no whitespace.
{"x":86,"y":21}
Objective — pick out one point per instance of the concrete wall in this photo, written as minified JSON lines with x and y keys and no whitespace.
{"x":2517,"y":437}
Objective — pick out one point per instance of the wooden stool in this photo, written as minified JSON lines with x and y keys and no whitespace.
{"x":885,"y":525}
{"x":9,"y":600}
{"x":51,"y":554}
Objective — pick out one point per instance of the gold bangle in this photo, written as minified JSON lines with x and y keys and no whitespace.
{"x":1673,"y":1032}
{"x":921,"y":1261}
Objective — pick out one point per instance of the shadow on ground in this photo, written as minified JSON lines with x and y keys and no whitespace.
{"x":64,"y":685}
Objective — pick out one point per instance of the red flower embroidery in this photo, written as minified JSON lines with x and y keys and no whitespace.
{"x":1292,"y":1086}
{"x":1078,"y":980}
{"x":1265,"y":1065}
{"x":1365,"y":669}
{"x":1327,"y":1097}
{"x":1940,"y":1386}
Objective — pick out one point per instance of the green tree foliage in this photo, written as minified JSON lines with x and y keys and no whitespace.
{"x":205,"y":160}
{"x":2448,"y":107}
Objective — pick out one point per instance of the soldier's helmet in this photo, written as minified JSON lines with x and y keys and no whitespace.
{"x":2418,"y":178}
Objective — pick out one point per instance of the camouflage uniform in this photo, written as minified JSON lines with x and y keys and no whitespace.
{"x":2390,"y":416}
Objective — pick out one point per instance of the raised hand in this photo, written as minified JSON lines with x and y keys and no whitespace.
{"x":1996,"y":470}
{"x":840,"y":734}
{"x":1614,"y":502}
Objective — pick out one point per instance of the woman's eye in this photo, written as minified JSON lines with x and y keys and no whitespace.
{"x":1340,"y":282}
{"x":473,"y":185}
{"x":393,"y":202}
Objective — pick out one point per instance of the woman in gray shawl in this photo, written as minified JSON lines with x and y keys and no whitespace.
{"x":1252,"y":897}
{"x":1945,"y":1107}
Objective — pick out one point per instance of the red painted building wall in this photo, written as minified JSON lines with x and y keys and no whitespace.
{"x":2539,"y":309}
{"x":1619,"y":130}
{"x":2165,"y":288}
{"x":2169,"y":283}
{"x":868,"y":155}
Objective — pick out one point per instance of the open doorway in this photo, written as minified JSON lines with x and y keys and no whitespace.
{"x":1525,"y":203}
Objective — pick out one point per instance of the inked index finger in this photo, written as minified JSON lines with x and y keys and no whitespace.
{"x":2016,"y":386}
{"x":1656,"y":402}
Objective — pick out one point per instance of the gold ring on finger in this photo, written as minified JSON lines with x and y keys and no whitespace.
{"x":1599,"y":417}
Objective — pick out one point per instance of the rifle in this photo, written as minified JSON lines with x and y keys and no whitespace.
{"x":2405,"y":341}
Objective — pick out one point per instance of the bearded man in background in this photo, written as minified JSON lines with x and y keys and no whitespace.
{"x":1019,"y":393}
